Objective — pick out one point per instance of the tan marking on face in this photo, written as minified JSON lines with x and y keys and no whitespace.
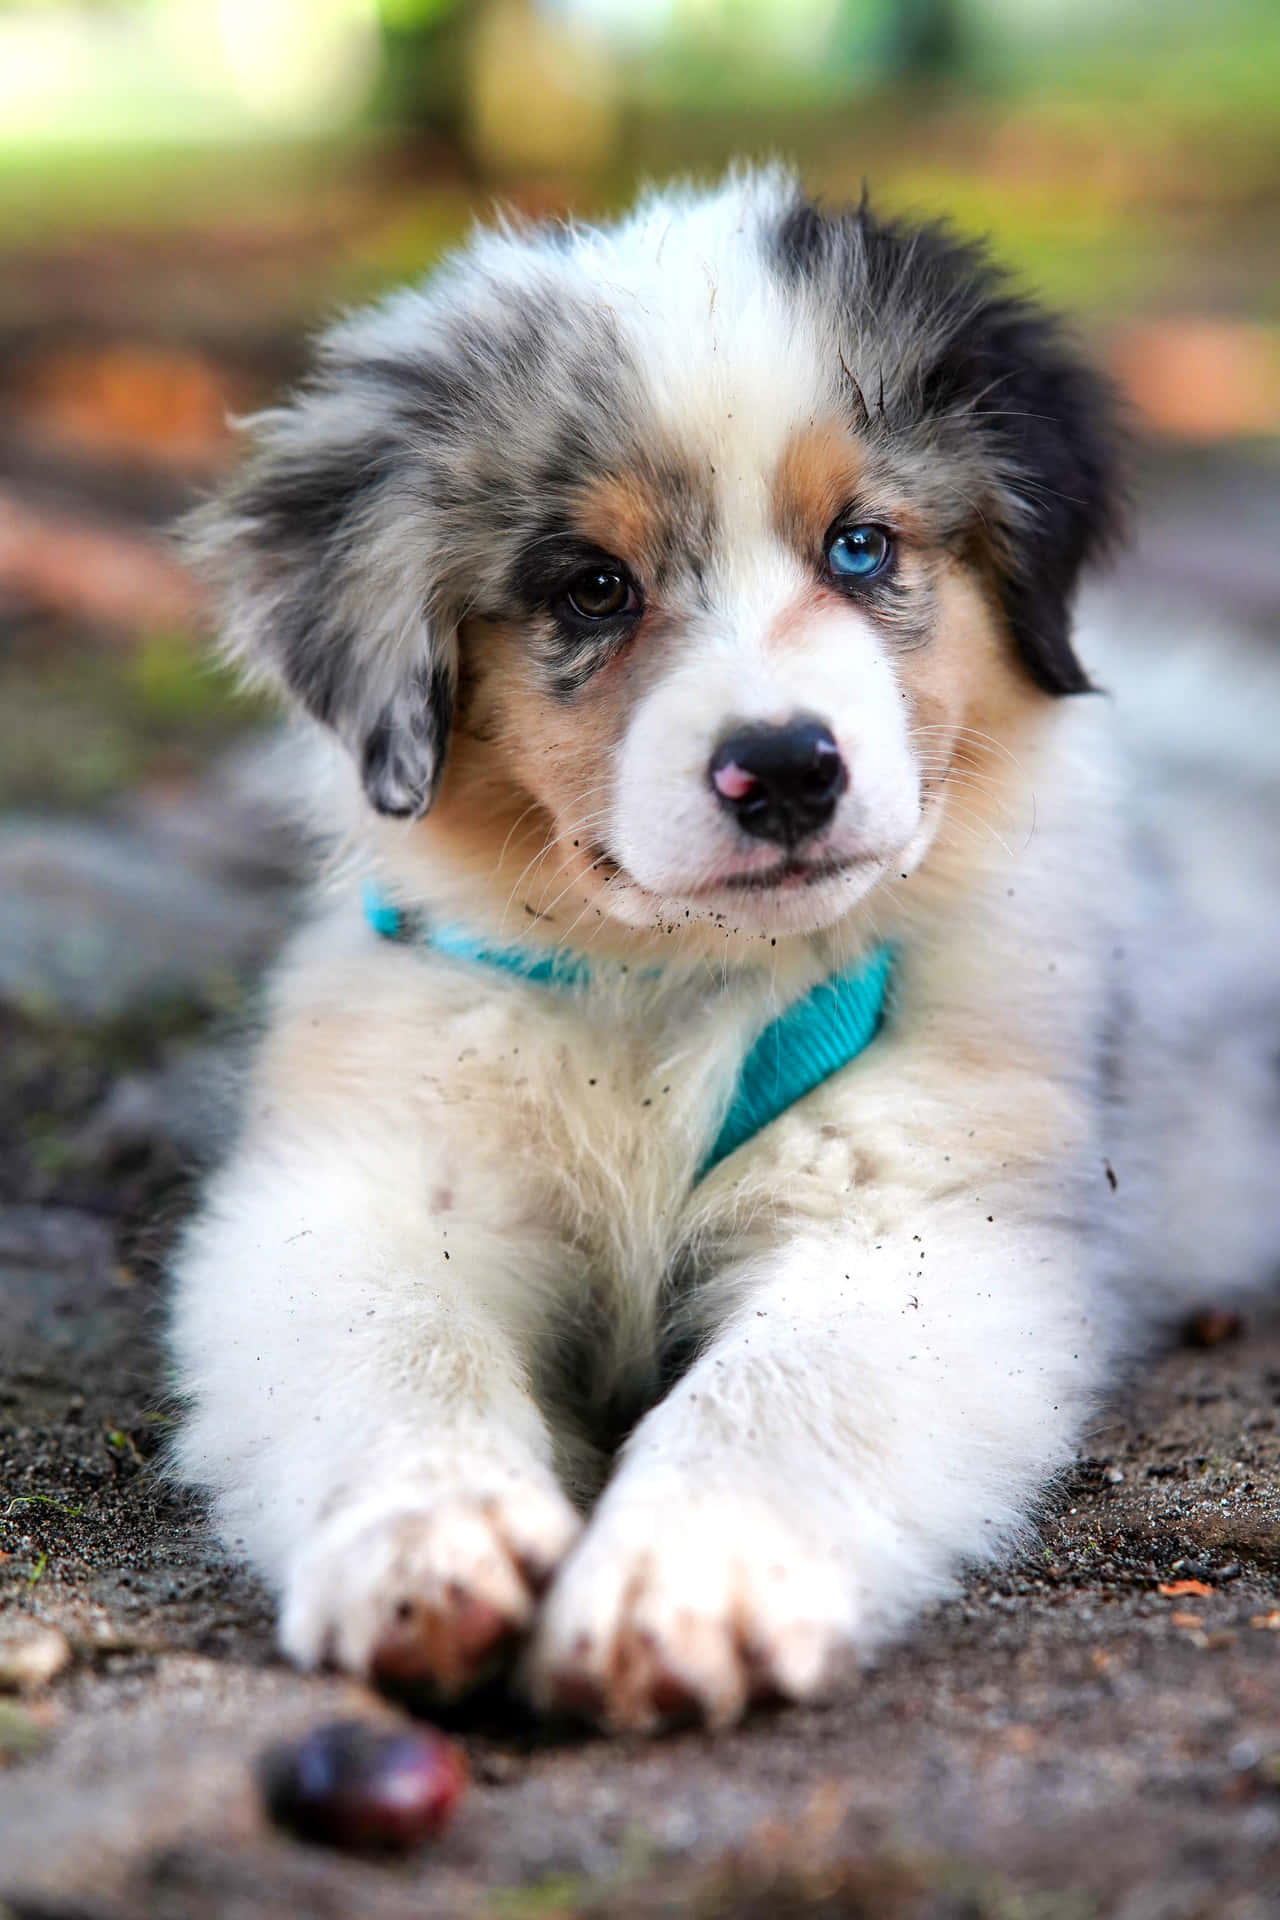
{"x":973,"y":714}
{"x":961,"y":676}
{"x":624,"y":514}
{"x":971,"y":663}
{"x":527,"y":780}
{"x":819,"y":473}
{"x":823,"y":470}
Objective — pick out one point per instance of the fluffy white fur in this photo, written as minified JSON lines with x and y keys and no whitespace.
{"x":902,"y":1299}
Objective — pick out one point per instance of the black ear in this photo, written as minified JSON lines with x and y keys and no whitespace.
{"x":321,"y":558}
{"x":1047,"y":425}
{"x":986,"y":388}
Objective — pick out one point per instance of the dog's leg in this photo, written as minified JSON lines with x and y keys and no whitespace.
{"x":877,"y":1404}
{"x":356,"y":1309}
{"x":361,"y":1417}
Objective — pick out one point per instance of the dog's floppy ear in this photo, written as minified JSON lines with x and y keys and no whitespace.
{"x":987,"y":387}
{"x":321,"y":559}
{"x":1051,"y":499}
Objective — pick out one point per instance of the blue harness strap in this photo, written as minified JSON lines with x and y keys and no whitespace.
{"x":804,"y":1046}
{"x":831,"y":1026}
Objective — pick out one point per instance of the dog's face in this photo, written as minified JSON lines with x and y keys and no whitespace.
{"x":667,"y":572}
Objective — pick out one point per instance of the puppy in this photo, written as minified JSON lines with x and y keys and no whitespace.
{"x":685,"y":608}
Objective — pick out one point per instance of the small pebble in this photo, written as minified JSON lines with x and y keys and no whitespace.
{"x":363,"y":1788}
{"x":31,"y":1656}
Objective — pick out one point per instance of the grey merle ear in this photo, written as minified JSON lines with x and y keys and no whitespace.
{"x":985,"y":383}
{"x":320,"y":553}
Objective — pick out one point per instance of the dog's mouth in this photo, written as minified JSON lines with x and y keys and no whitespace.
{"x":786,"y":873}
{"x":791,"y":873}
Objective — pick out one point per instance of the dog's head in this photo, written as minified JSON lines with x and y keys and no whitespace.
{"x":669,"y":565}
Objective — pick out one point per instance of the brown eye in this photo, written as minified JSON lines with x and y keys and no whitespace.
{"x":601,"y":593}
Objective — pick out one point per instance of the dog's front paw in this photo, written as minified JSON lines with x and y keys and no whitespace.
{"x":690,"y":1610}
{"x":429,"y":1596}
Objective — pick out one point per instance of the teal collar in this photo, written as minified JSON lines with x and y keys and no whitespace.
{"x":804,"y":1046}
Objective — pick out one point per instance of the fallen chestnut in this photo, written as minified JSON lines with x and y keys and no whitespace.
{"x":1211,"y":1326}
{"x":367,"y":1789}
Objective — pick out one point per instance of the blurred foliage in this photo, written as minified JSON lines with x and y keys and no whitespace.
{"x":1125,"y":157}
{"x":135,"y":71}
{"x":82,"y":722}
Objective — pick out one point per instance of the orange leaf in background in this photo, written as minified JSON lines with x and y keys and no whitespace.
{"x":1187,"y":1586}
{"x":1187,"y":1619}
{"x":1200,"y":379}
{"x":129,"y":402}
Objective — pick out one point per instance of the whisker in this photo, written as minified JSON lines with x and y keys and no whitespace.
{"x":963,"y":734}
{"x":957,"y":814}
{"x":519,"y":821}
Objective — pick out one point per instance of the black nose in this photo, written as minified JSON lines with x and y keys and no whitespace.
{"x":779,"y":783}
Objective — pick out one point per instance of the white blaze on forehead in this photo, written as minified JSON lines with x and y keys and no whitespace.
{"x":730,"y":358}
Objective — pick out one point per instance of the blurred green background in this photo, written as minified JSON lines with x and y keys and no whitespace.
{"x":187,"y":185}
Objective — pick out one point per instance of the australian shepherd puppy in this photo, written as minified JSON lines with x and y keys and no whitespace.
{"x":685,"y":608}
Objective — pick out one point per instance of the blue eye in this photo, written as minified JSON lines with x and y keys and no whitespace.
{"x":859,"y":553}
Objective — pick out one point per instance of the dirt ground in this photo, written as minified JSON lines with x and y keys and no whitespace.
{"x":1093,"y":1730}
